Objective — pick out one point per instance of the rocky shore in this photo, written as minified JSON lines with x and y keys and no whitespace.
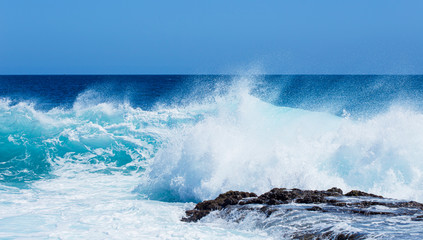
{"x":333,"y":201}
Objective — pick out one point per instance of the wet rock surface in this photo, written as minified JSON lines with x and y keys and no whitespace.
{"x":331,"y":200}
{"x":204,"y":208}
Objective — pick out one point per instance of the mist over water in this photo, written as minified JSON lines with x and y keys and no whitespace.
{"x":119,"y":143}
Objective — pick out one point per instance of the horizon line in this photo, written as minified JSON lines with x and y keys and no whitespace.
{"x":212,"y":74}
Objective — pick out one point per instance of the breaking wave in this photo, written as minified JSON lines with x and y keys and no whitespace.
{"x":232,"y":140}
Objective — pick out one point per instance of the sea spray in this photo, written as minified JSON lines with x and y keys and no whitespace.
{"x":250,"y":145}
{"x":94,"y":165}
{"x":229,"y":140}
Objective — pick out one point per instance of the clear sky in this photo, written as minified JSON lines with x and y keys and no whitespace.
{"x":193,"y":37}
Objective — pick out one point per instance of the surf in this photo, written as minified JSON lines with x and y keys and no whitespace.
{"x":104,"y":165}
{"x":231,"y":139}
{"x":251,"y":145}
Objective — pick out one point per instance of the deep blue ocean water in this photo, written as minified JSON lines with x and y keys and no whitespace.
{"x":357,"y":93}
{"x":122,"y":156}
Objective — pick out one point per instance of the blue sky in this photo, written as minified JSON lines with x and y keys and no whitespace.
{"x":193,"y":37}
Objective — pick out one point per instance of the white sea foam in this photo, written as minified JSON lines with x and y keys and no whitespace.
{"x":247,"y":144}
{"x":88,"y":160}
{"x":98,"y":206}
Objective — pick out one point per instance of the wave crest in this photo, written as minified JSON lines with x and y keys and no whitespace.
{"x":250,"y":145}
{"x":228,"y":141}
{"x":102,"y":137}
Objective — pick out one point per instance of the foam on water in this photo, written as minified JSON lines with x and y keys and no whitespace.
{"x":247,"y":144}
{"x":89,"y":170}
{"x":98,"y":206}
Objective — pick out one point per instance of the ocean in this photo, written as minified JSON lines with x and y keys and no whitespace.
{"x":123,"y":156}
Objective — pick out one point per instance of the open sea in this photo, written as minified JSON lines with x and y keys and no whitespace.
{"x":123,"y":156}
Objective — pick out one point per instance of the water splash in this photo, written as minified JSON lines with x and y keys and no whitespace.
{"x":229,"y":139}
{"x":250,"y":145}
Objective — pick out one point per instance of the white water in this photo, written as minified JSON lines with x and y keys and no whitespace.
{"x":97,"y":186}
{"x":255,"y":146}
{"x":98,"y":206}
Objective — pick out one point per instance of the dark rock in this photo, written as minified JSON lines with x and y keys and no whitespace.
{"x":236,"y":206}
{"x":283,"y":196}
{"x":356,"y":193}
{"x":329,"y":235}
{"x":268,"y":211}
{"x":315,"y":208}
{"x":411,"y":204}
{"x":338,"y":204}
{"x":253,"y":200}
{"x":194,"y":215}
{"x":331,"y":197}
{"x":342,"y":236}
{"x":369,"y":213}
{"x":223,"y":200}
{"x":336,"y":190}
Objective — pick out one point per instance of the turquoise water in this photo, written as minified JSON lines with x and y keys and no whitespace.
{"x":123,"y":156}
